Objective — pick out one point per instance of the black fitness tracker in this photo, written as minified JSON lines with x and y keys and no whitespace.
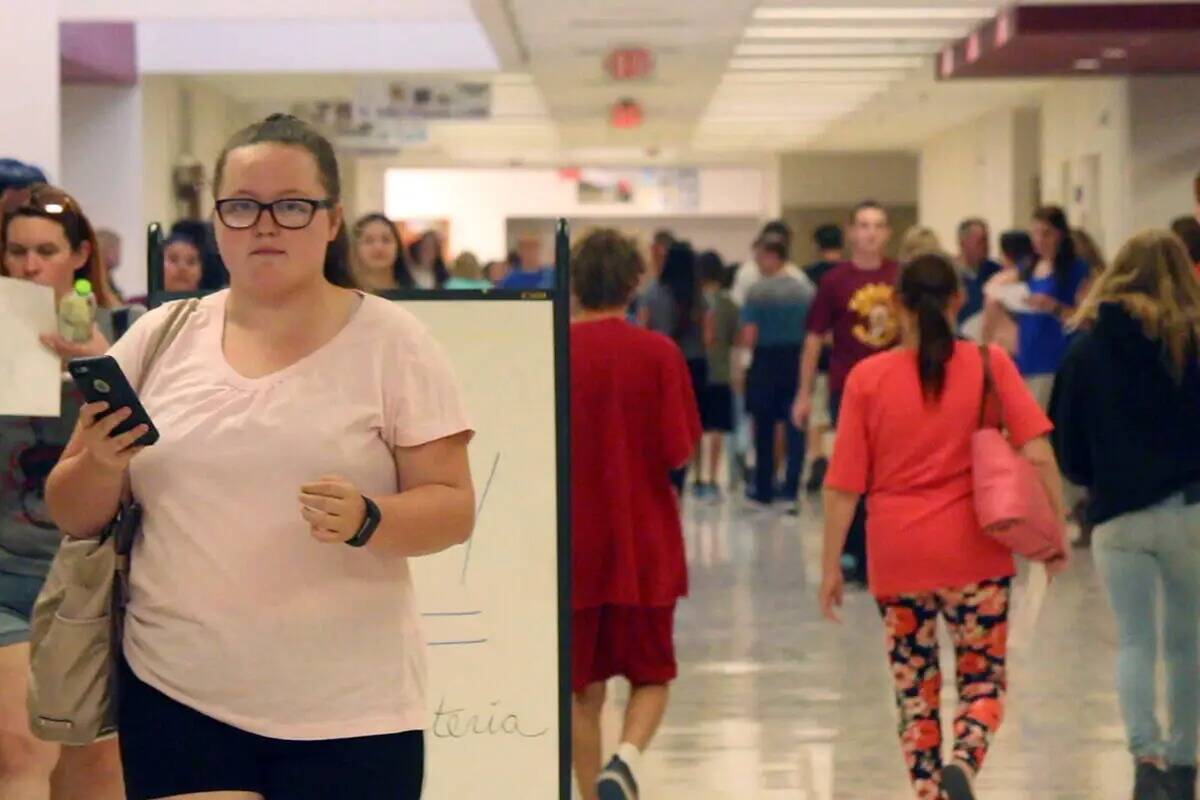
{"x":369,"y":526}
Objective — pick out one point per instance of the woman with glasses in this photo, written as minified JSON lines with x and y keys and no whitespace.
{"x":313,"y":439}
{"x":45,"y":238}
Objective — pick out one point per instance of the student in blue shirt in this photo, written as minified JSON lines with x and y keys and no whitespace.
{"x":774,"y":318}
{"x":975,"y":265}
{"x":1056,"y":281}
{"x":532,"y":274}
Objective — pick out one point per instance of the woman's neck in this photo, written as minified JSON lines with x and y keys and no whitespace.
{"x":303,"y":313}
{"x":910,"y":336}
{"x":376,"y":279}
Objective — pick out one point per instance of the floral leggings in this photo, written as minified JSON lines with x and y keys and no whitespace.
{"x":977,"y":617}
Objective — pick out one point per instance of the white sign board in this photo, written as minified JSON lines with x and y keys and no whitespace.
{"x":490,"y":608}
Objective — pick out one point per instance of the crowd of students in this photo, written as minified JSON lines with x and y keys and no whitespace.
{"x":1090,"y":369}
{"x":672,"y":357}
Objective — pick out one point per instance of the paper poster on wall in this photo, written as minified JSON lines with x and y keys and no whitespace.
{"x":652,"y":189}
{"x":350,"y":132}
{"x":423,"y":99}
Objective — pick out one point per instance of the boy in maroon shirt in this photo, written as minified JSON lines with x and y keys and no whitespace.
{"x":634,"y":419}
{"x":854,"y":311}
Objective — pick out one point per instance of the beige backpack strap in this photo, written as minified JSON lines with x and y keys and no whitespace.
{"x":160,"y":340}
{"x":162,"y":337}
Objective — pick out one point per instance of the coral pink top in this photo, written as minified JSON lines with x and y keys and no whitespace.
{"x":913,"y":461}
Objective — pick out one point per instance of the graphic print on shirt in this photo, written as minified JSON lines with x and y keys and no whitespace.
{"x":878,"y":326}
{"x":31,"y":464}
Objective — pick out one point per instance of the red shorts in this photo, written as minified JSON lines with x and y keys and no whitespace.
{"x":630,"y":641}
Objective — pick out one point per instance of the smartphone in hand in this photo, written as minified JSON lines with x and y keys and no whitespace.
{"x":100,"y":380}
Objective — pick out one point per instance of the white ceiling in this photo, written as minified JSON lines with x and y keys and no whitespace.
{"x":734,"y":79}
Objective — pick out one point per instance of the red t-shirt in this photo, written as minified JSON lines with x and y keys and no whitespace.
{"x":634,"y":419}
{"x":913,"y":461}
{"x":856,"y":305}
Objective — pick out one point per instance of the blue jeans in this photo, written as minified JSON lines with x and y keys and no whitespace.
{"x":1135,"y":554}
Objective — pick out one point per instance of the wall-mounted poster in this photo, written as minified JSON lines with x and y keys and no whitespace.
{"x":423,"y":99}
{"x":653,"y":189}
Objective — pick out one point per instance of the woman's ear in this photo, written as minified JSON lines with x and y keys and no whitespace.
{"x":81,"y":256}
{"x":337,"y":218}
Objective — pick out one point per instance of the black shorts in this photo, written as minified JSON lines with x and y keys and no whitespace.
{"x":716,"y":409}
{"x":168,"y":749}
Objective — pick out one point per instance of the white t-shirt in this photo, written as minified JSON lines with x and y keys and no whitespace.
{"x":749,"y":274}
{"x":235,"y":610}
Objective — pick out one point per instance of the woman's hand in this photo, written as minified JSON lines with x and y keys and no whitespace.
{"x":110,"y":452}
{"x":832,"y":588}
{"x":96,"y":346}
{"x":334,"y":509}
{"x":1044,"y":303}
{"x":1057,"y":566}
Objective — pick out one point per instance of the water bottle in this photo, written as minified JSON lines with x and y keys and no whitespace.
{"x":77,"y":313}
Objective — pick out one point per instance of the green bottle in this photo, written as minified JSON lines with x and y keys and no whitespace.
{"x":77,"y":313}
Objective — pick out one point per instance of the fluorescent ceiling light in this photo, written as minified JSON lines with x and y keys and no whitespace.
{"x":837,"y":12}
{"x":853,"y":78}
{"x":852,"y":63}
{"x":824,"y":32}
{"x":839,"y":49}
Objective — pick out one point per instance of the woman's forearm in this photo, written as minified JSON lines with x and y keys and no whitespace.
{"x":424,"y":520}
{"x":83,"y":495}
{"x":839,"y":514}
{"x":1040,"y":453}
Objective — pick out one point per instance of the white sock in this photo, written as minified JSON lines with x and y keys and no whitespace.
{"x":631,"y":756}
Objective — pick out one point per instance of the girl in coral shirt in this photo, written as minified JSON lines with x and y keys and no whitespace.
{"x":904,"y":440}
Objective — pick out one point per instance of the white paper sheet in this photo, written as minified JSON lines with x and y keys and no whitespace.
{"x":30,"y":375}
{"x":1014,"y":297}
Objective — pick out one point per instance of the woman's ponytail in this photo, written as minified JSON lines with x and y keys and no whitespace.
{"x":927,"y":286}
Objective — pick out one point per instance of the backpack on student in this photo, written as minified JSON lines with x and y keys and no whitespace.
{"x":76,"y":626}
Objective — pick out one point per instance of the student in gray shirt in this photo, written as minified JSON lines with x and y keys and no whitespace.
{"x":774,"y":319}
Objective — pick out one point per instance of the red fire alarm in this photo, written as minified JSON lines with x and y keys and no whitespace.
{"x":626,"y":114}
{"x":629,"y":63}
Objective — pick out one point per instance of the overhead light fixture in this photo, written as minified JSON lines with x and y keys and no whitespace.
{"x":837,"y":12}
{"x":826,"y":32}
{"x":854,"y":78}
{"x":1087,"y":64}
{"x":1114,"y":53}
{"x":850,"y":63}
{"x":839,"y":49}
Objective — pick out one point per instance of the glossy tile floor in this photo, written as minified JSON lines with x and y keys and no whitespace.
{"x":774,"y":702}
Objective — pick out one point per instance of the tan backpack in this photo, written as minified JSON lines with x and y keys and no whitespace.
{"x":75,"y":630}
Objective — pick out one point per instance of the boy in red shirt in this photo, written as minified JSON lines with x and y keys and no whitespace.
{"x":854,"y":311}
{"x":634,"y":419}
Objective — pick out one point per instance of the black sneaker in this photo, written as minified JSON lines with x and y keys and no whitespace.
{"x":1150,"y":783}
{"x":1181,"y":783}
{"x":956,"y":784}
{"x":616,"y":782}
{"x":816,"y":478}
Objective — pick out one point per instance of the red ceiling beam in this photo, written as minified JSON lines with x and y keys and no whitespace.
{"x":1038,"y":40}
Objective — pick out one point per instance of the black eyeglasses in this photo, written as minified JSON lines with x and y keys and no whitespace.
{"x":292,"y":213}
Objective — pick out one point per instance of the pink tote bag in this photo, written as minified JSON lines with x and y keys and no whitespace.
{"x":1011,"y":503}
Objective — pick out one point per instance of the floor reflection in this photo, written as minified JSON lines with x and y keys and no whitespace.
{"x":772,"y":702}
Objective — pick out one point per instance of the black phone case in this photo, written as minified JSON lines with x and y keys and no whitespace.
{"x":100,"y":379}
